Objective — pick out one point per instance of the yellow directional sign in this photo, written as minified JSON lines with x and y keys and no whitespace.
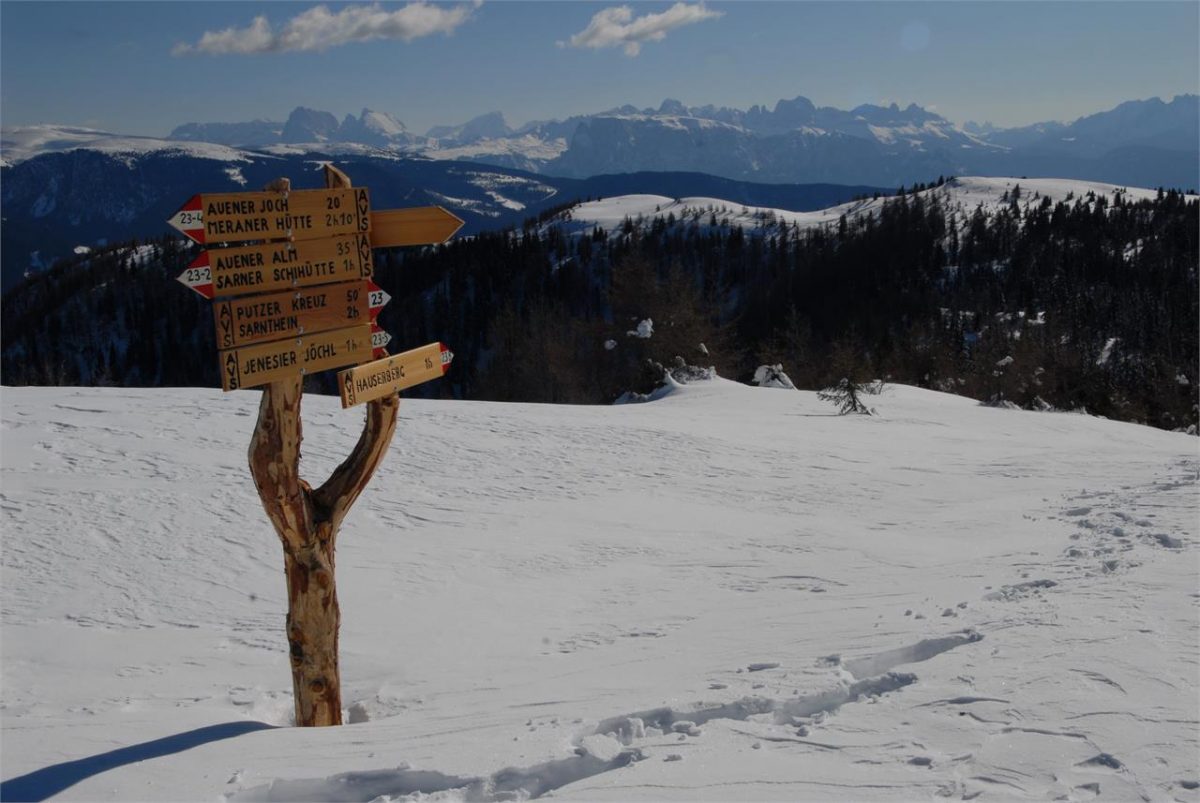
{"x":380,"y":378}
{"x":418,"y":225}
{"x":238,"y":217}
{"x":275,"y":316}
{"x":249,"y":366}
{"x":223,"y":272}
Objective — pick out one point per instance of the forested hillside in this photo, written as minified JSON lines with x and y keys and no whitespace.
{"x":1081,"y":303}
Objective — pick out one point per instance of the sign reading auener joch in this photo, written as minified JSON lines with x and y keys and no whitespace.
{"x":237,"y":217}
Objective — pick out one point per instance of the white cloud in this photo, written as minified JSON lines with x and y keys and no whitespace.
{"x":617,"y":27}
{"x":318,"y":29}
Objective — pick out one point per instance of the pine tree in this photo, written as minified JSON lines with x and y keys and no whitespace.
{"x":848,"y":395}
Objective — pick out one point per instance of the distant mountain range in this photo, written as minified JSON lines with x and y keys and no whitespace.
{"x":1146,"y":143}
{"x":1141,"y":142}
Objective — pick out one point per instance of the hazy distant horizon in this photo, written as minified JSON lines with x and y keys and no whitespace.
{"x":145,"y":68}
{"x":518,"y":124}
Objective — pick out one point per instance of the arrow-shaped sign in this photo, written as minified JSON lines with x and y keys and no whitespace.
{"x":380,"y":378}
{"x":379,"y":299}
{"x":379,"y":341}
{"x":418,"y":225}
{"x":238,"y":217}
{"x":224,"y":272}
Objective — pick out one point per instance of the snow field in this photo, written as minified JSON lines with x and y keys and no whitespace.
{"x":21,"y":143}
{"x":962,"y":195}
{"x":727,"y":593}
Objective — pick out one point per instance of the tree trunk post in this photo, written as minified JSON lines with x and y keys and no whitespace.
{"x":307,"y":522}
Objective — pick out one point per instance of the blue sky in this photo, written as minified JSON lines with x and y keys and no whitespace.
{"x":145,"y":67}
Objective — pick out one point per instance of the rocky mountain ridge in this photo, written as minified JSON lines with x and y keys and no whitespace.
{"x":1144,"y":142}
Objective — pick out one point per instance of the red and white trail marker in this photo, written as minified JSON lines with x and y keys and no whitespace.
{"x":379,"y":341}
{"x":379,"y":299}
{"x":189,"y":219}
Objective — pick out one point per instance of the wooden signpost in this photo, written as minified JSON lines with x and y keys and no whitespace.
{"x":296,"y":298}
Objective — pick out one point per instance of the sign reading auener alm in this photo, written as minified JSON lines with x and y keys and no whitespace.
{"x":222,"y":272}
{"x":238,"y":217}
{"x":249,"y":366}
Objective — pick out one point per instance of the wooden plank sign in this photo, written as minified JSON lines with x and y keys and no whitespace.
{"x":238,"y":217}
{"x":224,"y":272}
{"x":420,"y":225}
{"x":380,"y":378}
{"x":276,"y":316}
{"x":249,"y":366}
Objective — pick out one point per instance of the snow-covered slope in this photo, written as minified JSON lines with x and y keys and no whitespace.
{"x":24,"y":142}
{"x":526,"y":152}
{"x":961,"y":195}
{"x":943,"y":601}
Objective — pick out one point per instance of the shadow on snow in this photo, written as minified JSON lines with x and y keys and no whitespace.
{"x":49,"y":781}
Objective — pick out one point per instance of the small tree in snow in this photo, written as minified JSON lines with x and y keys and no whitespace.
{"x":848,"y":395}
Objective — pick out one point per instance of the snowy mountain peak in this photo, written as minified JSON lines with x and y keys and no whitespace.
{"x":892,"y":114}
{"x":674,"y":107}
{"x":309,"y":125}
{"x":490,"y":126}
{"x":798,"y":105}
{"x":382,"y":123}
{"x":373,"y":128}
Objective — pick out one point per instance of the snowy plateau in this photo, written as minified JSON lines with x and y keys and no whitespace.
{"x":727,"y":593}
{"x":959,"y":195}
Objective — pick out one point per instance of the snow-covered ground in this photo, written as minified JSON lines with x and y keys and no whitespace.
{"x":754,"y":599}
{"x":961,"y":195}
{"x":25,"y":142}
{"x":528,"y":146}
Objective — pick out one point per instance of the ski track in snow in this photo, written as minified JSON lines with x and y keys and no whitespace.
{"x":727,"y":593}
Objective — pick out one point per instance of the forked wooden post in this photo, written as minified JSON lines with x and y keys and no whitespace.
{"x":308,"y":521}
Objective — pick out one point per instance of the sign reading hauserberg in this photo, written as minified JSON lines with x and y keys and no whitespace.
{"x":380,"y":378}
